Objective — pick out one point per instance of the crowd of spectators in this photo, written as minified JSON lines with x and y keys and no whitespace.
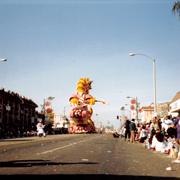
{"x":160,"y":134}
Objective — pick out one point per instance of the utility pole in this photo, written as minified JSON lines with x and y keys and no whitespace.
{"x":137,"y":105}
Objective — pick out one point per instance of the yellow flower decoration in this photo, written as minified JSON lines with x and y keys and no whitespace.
{"x":92,"y":101}
{"x":74,"y":101}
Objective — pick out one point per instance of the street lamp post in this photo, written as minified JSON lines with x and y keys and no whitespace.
{"x":154,"y":77}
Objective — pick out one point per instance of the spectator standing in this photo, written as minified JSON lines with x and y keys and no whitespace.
{"x":127,"y":130}
{"x":132,"y":127}
{"x":155,"y":125}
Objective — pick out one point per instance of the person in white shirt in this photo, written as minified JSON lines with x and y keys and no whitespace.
{"x":143,"y":134}
{"x":40,"y":129}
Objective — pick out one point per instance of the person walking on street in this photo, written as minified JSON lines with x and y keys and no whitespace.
{"x":40,"y":129}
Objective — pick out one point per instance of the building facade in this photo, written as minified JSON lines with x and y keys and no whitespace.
{"x":17,"y":114}
{"x":175,"y":105}
{"x":147,"y":113}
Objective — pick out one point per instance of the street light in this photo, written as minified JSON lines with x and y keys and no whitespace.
{"x":154,"y":77}
{"x":3,"y":60}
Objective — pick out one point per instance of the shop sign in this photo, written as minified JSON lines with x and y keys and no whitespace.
{"x":175,"y":106}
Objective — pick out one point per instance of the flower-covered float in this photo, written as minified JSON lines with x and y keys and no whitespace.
{"x":81,"y":112}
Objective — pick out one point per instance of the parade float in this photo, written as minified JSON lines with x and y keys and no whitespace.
{"x":81,"y":112}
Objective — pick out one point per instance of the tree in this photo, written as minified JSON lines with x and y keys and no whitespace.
{"x":176,"y":8}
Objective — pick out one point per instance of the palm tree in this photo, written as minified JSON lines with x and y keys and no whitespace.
{"x":176,"y":8}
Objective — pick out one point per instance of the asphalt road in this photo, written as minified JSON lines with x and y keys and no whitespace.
{"x":96,"y":155}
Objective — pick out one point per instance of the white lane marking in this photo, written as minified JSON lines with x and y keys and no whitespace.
{"x":62,"y":147}
{"x":84,"y":160}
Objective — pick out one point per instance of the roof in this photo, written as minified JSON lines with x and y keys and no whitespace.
{"x":176,"y":97}
{"x":18,"y":97}
{"x":147,"y":108}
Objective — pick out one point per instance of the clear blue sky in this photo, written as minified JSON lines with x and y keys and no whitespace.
{"x":51,"y":44}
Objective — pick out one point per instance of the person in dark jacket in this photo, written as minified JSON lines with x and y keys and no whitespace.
{"x":132,"y":127}
{"x":127,"y":130}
